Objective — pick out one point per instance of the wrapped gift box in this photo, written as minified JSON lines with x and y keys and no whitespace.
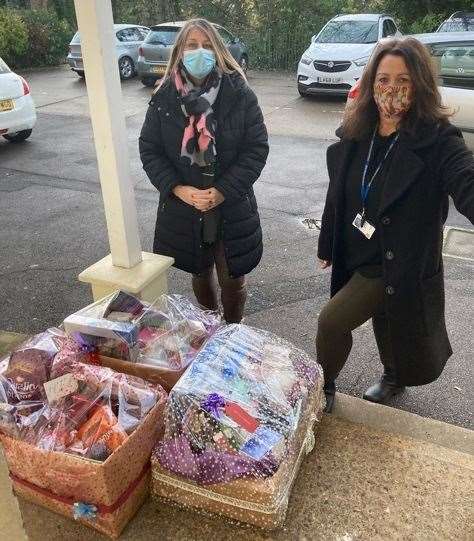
{"x":262,"y":502}
{"x":237,"y":426}
{"x":156,"y":341}
{"x":105,"y":326}
{"x":116,"y":487}
{"x":82,"y":446}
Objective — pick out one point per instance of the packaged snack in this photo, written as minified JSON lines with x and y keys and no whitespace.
{"x":237,"y":425}
{"x":29,"y":366}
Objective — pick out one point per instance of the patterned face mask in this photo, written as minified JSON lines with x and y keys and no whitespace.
{"x":392,"y":100}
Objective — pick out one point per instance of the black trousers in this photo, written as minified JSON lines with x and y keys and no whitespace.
{"x":358,"y":301}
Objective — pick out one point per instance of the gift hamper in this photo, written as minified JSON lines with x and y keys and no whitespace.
{"x":156,"y":341}
{"x":77,"y":437}
{"x":237,"y":426}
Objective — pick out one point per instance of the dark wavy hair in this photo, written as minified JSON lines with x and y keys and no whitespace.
{"x":362,"y":115}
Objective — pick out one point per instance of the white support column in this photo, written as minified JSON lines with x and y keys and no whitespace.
{"x":95,"y":22}
{"x":127,"y":267}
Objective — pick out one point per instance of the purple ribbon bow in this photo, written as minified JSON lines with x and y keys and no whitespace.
{"x":212,"y":404}
{"x":83,"y":344}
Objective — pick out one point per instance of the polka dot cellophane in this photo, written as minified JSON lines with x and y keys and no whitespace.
{"x":237,"y":426}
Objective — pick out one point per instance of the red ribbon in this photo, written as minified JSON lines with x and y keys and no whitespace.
{"x":94,"y":358}
{"x":101,"y":508}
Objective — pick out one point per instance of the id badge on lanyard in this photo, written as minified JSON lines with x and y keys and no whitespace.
{"x":360,"y":222}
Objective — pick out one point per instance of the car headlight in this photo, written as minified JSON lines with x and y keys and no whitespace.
{"x":306,"y":60}
{"x":361,"y":61}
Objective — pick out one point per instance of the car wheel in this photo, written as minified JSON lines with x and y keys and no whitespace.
{"x":18,"y":137}
{"x":126,"y":68}
{"x":244,"y":63}
{"x":148,"y":82}
{"x":81,"y":74}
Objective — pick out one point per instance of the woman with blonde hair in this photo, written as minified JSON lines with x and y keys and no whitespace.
{"x":203,"y":144}
{"x":390,"y":175}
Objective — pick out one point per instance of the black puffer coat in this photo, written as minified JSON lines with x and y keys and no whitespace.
{"x":425,"y":169}
{"x":242,"y":149}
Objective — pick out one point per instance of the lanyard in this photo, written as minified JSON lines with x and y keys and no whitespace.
{"x":365,"y":187}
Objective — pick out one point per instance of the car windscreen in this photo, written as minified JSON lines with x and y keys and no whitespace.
{"x":349,"y":32}
{"x":457,"y":25}
{"x":162,"y":36}
{"x":3,"y":67}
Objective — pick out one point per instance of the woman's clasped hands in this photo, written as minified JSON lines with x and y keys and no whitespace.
{"x":203,"y":200}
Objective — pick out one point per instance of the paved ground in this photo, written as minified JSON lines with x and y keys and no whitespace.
{"x":52,"y":227}
{"x":359,"y":483}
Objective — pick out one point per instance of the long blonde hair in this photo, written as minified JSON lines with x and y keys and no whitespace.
{"x":224,"y":60}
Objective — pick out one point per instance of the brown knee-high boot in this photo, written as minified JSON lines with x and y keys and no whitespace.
{"x":205,"y":289}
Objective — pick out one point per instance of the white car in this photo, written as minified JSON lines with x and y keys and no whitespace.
{"x":17,"y":108}
{"x":337,"y":55}
{"x":453,"y":58}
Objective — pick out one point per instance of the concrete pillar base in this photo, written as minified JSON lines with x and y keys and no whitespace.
{"x":146,"y":280}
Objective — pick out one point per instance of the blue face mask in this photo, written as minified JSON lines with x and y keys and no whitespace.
{"x":199,"y":62}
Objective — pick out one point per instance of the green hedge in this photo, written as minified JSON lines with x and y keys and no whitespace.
{"x":33,"y":37}
{"x":13,"y":36}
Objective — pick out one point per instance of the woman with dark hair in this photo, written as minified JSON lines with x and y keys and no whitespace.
{"x":203,"y":144}
{"x":382,"y":228}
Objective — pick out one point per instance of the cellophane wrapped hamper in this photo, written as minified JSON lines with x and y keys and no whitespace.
{"x":156,"y":341}
{"x":237,"y":426}
{"x":77,"y":437}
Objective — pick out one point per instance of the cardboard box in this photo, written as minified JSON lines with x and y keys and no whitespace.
{"x":166,"y":378}
{"x":117,"y":487}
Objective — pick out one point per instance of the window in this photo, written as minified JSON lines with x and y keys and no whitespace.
{"x":136,"y":33}
{"x":129,"y":34}
{"x":3,"y":67}
{"x":457,"y":25}
{"x":454,"y":63}
{"x":389,"y":28}
{"x":143,"y":32}
{"x":393,"y":27}
{"x":162,"y":35}
{"x":226,"y":36}
{"x":349,"y":32}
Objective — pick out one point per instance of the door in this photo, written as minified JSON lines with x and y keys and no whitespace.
{"x":130,"y":39}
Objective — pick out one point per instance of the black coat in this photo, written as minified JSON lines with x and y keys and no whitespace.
{"x":414,"y":206}
{"x":242,"y":149}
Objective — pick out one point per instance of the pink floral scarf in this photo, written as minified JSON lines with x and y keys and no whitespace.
{"x":198,"y":145}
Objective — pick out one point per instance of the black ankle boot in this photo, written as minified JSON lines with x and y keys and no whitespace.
{"x":330,"y":393}
{"x":384,"y":390}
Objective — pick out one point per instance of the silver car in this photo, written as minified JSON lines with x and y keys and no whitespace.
{"x":128,"y":38}
{"x":156,"y":50}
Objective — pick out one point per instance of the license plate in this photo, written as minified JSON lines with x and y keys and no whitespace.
{"x":6,"y":105}
{"x":158,"y":69}
{"x":329,"y":80}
